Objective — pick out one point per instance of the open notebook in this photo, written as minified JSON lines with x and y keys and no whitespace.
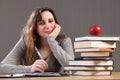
{"x":46,"y":74}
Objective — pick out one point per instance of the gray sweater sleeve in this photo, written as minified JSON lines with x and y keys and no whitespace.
{"x":11,"y":62}
{"x":62,"y":52}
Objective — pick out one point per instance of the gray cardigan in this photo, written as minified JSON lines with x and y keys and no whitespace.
{"x":62,"y":51}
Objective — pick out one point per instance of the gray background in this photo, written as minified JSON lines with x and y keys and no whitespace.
{"x":75,"y":17}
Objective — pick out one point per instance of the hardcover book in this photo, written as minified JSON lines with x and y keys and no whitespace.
{"x":91,"y":62}
{"x":95,"y":54}
{"x":88,"y":68}
{"x":88,"y":44}
{"x":98,"y":58}
{"x":94,"y":49}
{"x":89,"y":73}
{"x":103,"y":38}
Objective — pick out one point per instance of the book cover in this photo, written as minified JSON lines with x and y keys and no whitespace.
{"x":97,"y":58}
{"x":88,"y":44}
{"x":93,"y":58}
{"x":103,"y":38}
{"x":89,"y":73}
{"x":88,"y":68}
{"x":91,"y":62}
{"x":95,"y":54}
{"x":94,"y":49}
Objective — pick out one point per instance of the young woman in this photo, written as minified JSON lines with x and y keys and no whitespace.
{"x":41,"y":48}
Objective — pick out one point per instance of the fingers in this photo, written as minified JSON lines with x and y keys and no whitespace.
{"x":57,"y":27}
{"x":39,"y":65}
{"x":42,"y":62}
{"x":40,"y":69}
{"x":56,"y":31}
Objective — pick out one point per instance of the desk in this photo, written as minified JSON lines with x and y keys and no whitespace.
{"x":115,"y":75}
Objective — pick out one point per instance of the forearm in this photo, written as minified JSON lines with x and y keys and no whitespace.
{"x":11,"y":63}
{"x":8,"y":68}
{"x":62,"y":53}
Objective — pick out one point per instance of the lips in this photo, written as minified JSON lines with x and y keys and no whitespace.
{"x":48,"y":32}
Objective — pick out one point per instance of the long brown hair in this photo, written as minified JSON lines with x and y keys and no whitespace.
{"x":31,"y":35}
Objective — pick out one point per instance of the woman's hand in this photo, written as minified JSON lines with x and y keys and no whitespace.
{"x":39,"y":65}
{"x":56,"y":30}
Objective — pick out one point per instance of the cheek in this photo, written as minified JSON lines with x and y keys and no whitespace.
{"x":53,"y":27}
{"x":40,"y":30}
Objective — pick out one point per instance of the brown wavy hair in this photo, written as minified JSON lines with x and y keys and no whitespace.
{"x":31,"y":36}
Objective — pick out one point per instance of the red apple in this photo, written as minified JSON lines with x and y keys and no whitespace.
{"x":94,"y":30}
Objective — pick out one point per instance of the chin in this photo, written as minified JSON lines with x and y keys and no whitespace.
{"x":46,"y":36}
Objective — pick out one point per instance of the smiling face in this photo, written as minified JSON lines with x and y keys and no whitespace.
{"x":46,"y":25}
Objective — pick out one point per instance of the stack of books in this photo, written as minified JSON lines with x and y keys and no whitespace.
{"x":95,"y":55}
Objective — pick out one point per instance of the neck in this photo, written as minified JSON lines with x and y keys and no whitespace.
{"x":44,"y":43}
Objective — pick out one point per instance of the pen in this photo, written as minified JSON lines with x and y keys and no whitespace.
{"x":38,"y":53}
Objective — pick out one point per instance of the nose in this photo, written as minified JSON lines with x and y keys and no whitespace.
{"x":47,"y":26}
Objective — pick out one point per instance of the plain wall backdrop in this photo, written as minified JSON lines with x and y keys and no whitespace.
{"x":75,"y":17}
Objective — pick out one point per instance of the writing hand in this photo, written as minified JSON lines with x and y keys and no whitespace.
{"x":39,"y":65}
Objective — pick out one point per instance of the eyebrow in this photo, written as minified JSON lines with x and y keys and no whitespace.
{"x":48,"y":19}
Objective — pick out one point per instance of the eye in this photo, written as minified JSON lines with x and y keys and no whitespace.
{"x":50,"y":21}
{"x":41,"y":23}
